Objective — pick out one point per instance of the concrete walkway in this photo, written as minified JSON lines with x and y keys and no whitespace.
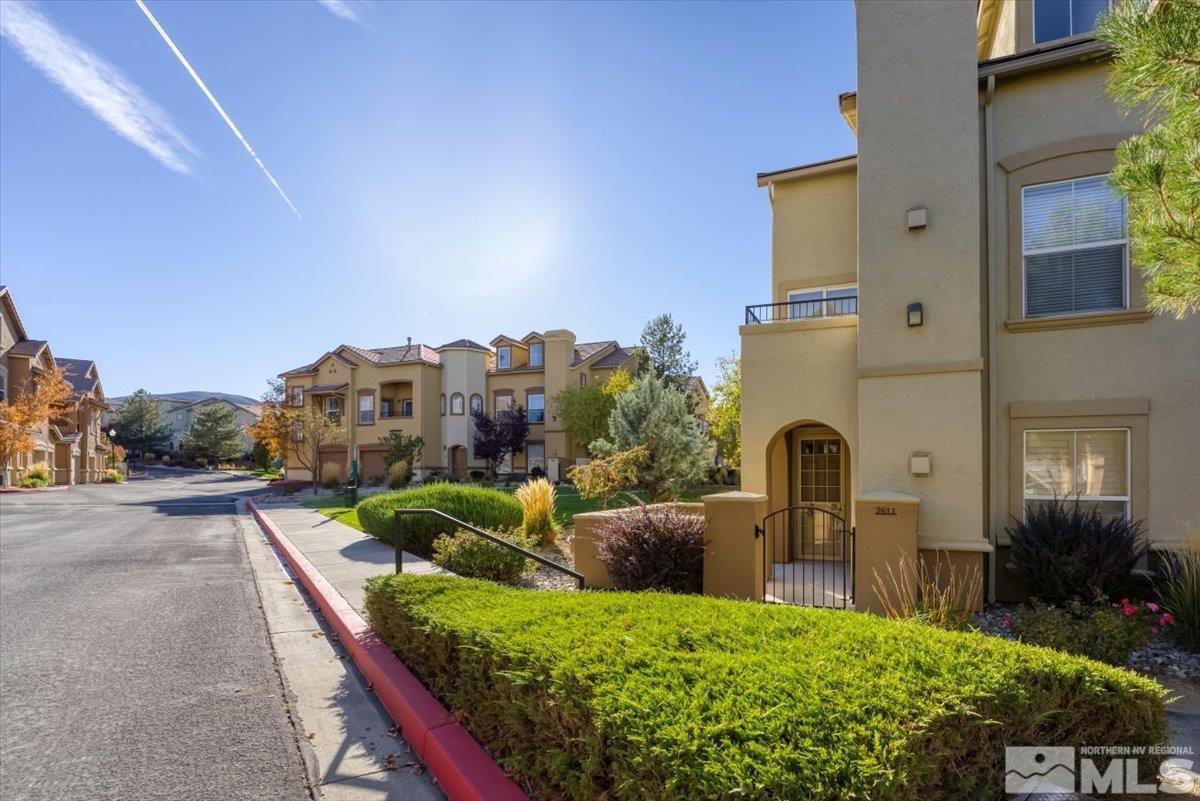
{"x":345,"y":556}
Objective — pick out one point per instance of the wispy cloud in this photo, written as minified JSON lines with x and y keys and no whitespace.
{"x":196,"y":77}
{"x":346,"y":9}
{"x":94,"y":83}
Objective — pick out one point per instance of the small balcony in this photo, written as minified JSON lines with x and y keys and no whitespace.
{"x":792,"y":310}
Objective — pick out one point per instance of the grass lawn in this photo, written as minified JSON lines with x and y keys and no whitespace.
{"x":335,"y":507}
{"x":269,"y":475}
{"x":567,"y":503}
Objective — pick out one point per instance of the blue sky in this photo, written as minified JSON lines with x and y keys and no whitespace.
{"x":459,"y":170}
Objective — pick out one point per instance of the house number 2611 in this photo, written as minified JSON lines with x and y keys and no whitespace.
{"x":885,"y":510}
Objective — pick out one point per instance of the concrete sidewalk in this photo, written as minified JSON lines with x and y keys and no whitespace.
{"x":345,"y":556}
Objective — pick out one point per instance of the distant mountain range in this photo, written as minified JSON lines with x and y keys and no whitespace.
{"x":192,"y":395}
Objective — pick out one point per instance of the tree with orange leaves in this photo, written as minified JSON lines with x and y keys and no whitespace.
{"x":273,"y":429}
{"x":44,"y":398}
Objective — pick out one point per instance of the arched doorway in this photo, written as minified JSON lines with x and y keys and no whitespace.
{"x":458,"y":461}
{"x":808,"y":536}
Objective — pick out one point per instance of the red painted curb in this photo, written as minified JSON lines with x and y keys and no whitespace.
{"x":463,"y":769}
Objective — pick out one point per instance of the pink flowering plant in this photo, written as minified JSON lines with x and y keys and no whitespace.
{"x":1102,"y":631}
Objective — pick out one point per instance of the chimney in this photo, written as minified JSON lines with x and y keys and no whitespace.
{"x":410,"y":342}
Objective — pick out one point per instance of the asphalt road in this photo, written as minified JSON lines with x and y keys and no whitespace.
{"x":134,"y":658}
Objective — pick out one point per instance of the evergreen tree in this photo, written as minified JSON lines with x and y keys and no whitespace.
{"x":1156,"y":69}
{"x":663,"y":340}
{"x":141,"y":424}
{"x":214,"y":434}
{"x":584,"y":411}
{"x":655,"y":414}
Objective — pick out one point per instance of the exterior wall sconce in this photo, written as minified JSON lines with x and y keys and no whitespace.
{"x":920,"y":463}
{"x":916,"y":315}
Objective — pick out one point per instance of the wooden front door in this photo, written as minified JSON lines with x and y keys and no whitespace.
{"x":458,"y":461}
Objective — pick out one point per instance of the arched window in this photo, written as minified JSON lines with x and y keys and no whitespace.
{"x":476,"y":403}
{"x":456,"y":403}
{"x":443,"y":404}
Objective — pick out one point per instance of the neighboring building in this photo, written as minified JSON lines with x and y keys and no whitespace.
{"x":953,"y":314}
{"x":82,"y":452}
{"x":181,"y":414}
{"x":530,"y":371}
{"x":179,"y":411}
{"x":432,"y":392}
{"x":72,"y":445}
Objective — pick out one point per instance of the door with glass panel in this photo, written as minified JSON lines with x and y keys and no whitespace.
{"x":819,"y":467}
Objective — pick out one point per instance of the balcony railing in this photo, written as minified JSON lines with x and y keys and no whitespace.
{"x":800,"y":310}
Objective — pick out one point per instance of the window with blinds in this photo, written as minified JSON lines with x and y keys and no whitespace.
{"x":1073,"y":247}
{"x":1091,"y":464}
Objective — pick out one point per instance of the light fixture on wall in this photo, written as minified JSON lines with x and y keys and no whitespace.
{"x":916,"y":315}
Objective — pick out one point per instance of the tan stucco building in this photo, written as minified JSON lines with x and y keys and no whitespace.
{"x":71,"y":445}
{"x":432,"y":392}
{"x":953,"y":314}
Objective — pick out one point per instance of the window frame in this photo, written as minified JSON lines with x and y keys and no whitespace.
{"x":461,"y":404}
{"x":504,"y":357}
{"x":442,"y":403}
{"x":541,"y":462}
{"x":824,"y":300}
{"x":406,"y":407}
{"x":370,"y":397}
{"x":476,"y":404}
{"x":1126,"y":499}
{"x":540,"y":349}
{"x":529,"y":409}
{"x":1072,"y":33}
{"x":297,"y":394}
{"x":1126,"y":278}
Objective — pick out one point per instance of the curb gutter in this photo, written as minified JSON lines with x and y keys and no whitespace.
{"x":462,"y":768}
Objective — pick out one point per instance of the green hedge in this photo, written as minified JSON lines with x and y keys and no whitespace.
{"x":487,"y":508}
{"x":646,"y":695}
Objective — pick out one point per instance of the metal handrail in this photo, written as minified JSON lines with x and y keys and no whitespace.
{"x":801,"y":310}
{"x":398,"y":538}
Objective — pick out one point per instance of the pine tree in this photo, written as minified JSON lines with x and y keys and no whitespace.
{"x":655,"y":414}
{"x":140,"y":423}
{"x":1156,"y":69}
{"x":214,"y":434}
{"x":663,"y":340}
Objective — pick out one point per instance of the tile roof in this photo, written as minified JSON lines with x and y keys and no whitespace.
{"x":76,"y":372}
{"x":322,"y":389}
{"x":465,"y":343}
{"x":586,"y":350}
{"x":27,"y":347}
{"x":397,"y":354}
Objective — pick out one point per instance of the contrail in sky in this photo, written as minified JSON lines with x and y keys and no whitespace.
{"x":217,"y":105}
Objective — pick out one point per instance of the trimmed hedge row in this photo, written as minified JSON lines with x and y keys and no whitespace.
{"x":646,"y":695}
{"x":487,"y":508}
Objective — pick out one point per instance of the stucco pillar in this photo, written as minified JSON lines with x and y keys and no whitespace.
{"x":733,"y":556}
{"x":885,"y":531}
{"x":583,"y":544}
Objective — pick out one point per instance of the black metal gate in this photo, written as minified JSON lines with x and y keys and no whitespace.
{"x":808,"y":557}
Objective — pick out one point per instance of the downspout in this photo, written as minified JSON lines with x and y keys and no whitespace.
{"x":990,"y":467}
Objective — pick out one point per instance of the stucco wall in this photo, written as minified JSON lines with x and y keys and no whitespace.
{"x":793,"y":372}
{"x":814,"y":232}
{"x":463,"y":371}
{"x":918,"y":111}
{"x":1050,"y":125}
